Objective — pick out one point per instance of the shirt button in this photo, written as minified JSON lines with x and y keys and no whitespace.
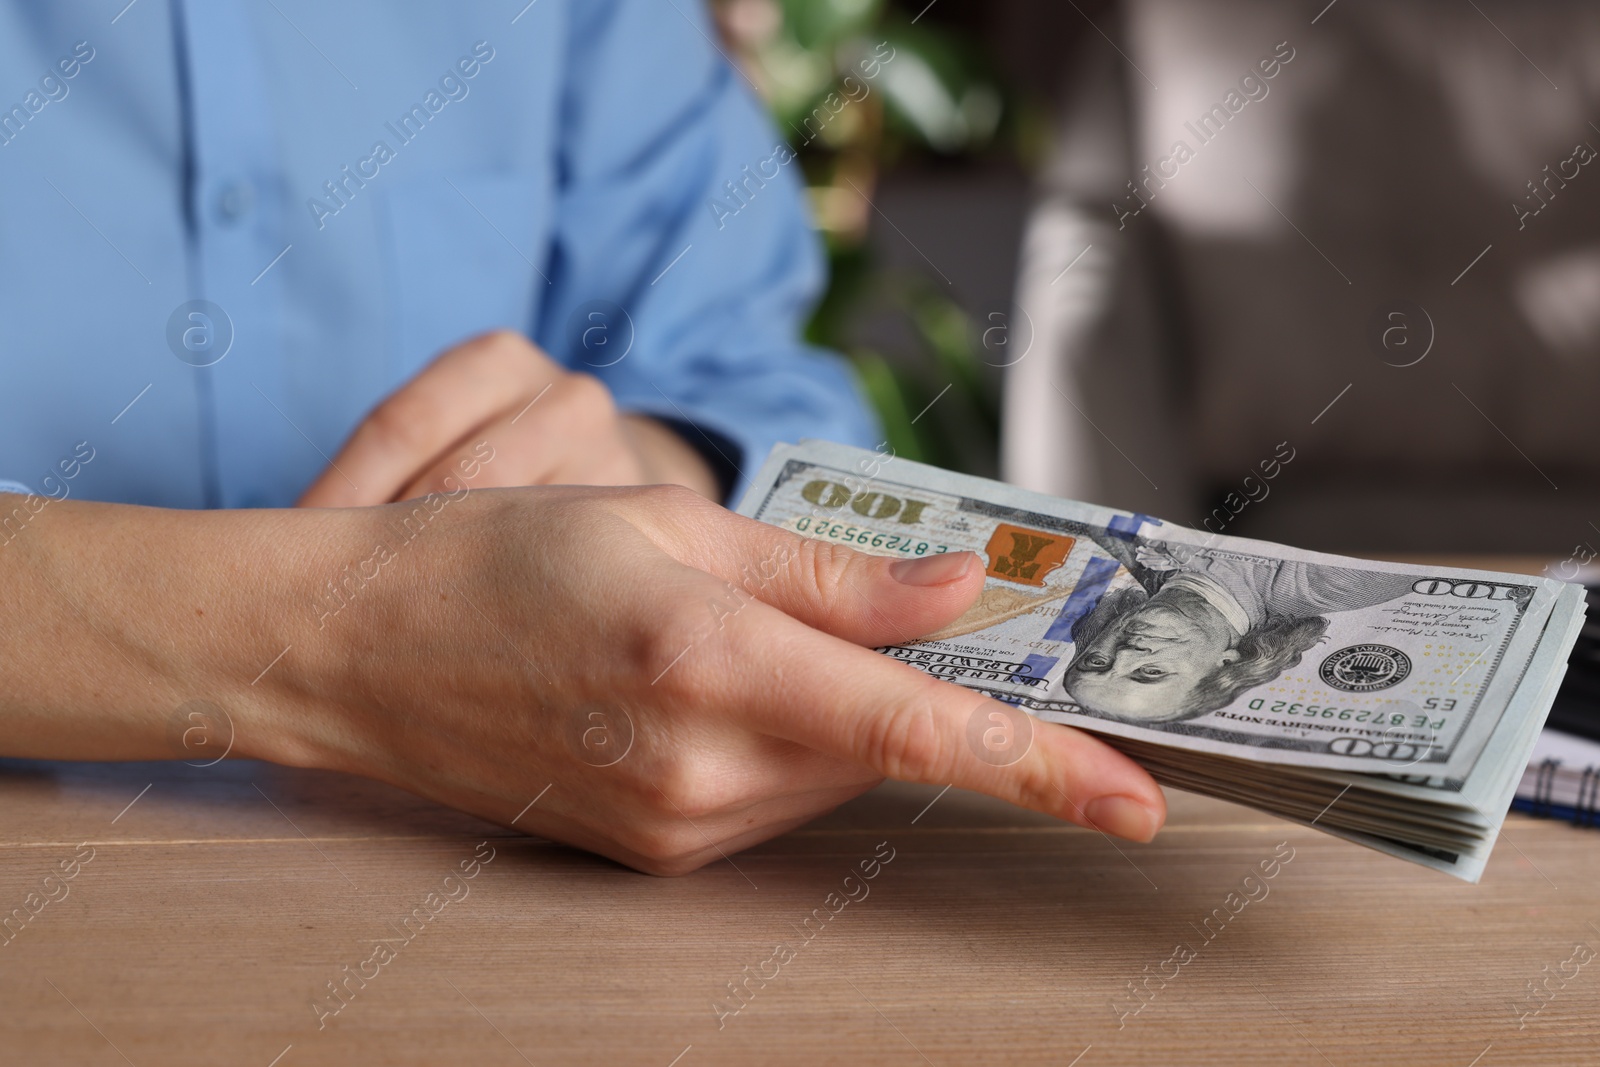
{"x":235,"y":200}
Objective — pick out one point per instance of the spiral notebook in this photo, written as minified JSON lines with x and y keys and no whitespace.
{"x":1562,"y":780}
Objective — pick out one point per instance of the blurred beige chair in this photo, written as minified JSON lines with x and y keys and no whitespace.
{"x":1384,"y":260}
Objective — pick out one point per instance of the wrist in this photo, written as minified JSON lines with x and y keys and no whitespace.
{"x":355,"y":621}
{"x":324,"y":626}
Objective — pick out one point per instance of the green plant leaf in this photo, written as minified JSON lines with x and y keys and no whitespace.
{"x":883,"y":388}
{"x":821,"y":24}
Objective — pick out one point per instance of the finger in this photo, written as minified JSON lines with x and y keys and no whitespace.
{"x":865,"y":599}
{"x":466,"y":387}
{"x":548,"y":440}
{"x":855,"y":704}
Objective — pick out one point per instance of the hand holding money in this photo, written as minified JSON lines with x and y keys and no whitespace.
{"x":685,"y":682}
{"x":1392,"y":705}
{"x":634,"y":671}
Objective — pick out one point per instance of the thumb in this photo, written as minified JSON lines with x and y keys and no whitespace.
{"x":865,"y":599}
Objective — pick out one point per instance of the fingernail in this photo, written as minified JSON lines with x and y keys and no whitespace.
{"x":1122,"y":816}
{"x":931,"y":570}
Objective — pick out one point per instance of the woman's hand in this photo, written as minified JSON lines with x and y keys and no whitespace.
{"x":685,"y":681}
{"x":549,"y":425}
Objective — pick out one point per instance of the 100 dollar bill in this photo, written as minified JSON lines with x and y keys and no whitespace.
{"x":1132,"y":627}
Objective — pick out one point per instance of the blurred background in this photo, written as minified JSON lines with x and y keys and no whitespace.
{"x":919,"y":180}
{"x":1320,"y":273}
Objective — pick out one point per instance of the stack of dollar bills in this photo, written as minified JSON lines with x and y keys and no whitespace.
{"x":1391,"y":704}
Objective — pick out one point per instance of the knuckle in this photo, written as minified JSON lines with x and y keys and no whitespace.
{"x":687,"y":794}
{"x":498,"y":343}
{"x":681,"y":867}
{"x":670,"y":844}
{"x":676,"y":498}
{"x":822,"y":569}
{"x":669,"y":645}
{"x":504,"y":356}
{"x":1034,"y":786}
{"x":907,"y":743}
{"x":401,"y":423}
{"x":677,"y":866}
{"x":587,"y":397}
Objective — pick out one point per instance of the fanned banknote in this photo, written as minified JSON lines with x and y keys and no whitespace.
{"x":1391,"y":704}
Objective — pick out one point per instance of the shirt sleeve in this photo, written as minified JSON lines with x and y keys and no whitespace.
{"x":683,"y":265}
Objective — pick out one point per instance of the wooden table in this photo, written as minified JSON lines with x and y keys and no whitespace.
{"x":220,"y":901}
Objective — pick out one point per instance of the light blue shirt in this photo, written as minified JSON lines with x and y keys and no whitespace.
{"x":358,"y":186}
